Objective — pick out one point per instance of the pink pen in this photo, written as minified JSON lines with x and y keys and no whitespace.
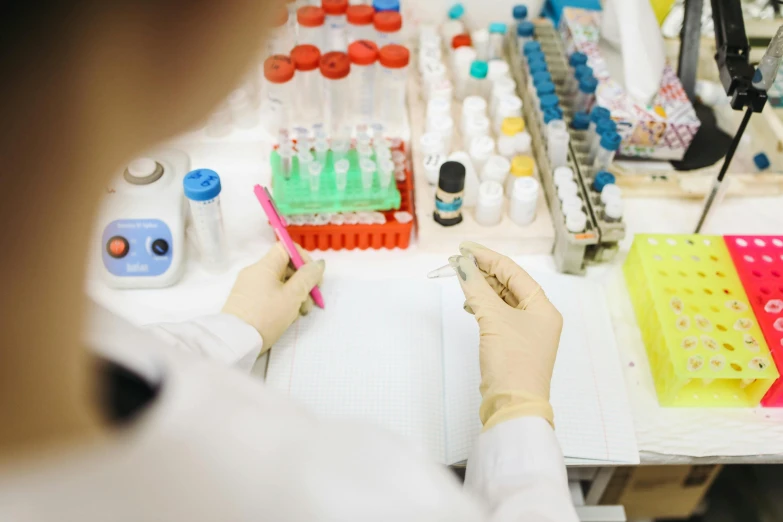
{"x":268,"y":204}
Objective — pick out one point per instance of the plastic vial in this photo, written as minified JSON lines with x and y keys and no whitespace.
{"x":575,"y":60}
{"x":314,"y":170}
{"x":580,"y":121}
{"x":521,"y":167}
{"x":387,"y":28}
{"x":385,"y":173}
{"x":445,"y":129}
{"x":359,"y":26}
{"x":498,"y":69}
{"x":432,"y":163}
{"x":312,"y":26}
{"x":286,"y":160}
{"x":480,"y":38}
{"x":461,"y":59}
{"x":509,"y":129}
{"x":335,"y":67}
{"x":567,"y":189}
{"x":523,"y":201}
{"x":475,"y":127}
{"x":335,"y":10}
{"x":309,"y":83}
{"x":596,"y":115}
{"x":497,"y":33}
{"x":278,"y":72}
{"x":562,"y":175}
{"x":496,"y":169}
{"x":602,"y":178}
{"x":508,"y":107}
{"x":571,"y":204}
{"x":489,"y":208}
{"x":476,"y":85}
{"x":606,"y":126}
{"x":431,"y":143}
{"x":202,"y":188}
{"x":525,"y":33}
{"x":500,"y":88}
{"x":481,"y":149}
{"x":586,"y":94}
{"x":607,"y":150}
{"x":394,"y":61}
{"x":613,"y":211}
{"x":437,"y":108}
{"x":557,"y":143}
{"x":449,"y":195}
{"x":363,"y":55}
{"x":519,"y":12}
{"x":368,"y":168}
{"x":611,"y":192}
{"x":473,"y":107}
{"x":321,"y":151}
{"x":341,"y":174}
{"x":386,"y":5}
{"x":523,"y":143}
{"x":576,"y":222}
{"x":281,"y":40}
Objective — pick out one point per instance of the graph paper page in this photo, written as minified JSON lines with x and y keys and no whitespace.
{"x":592,"y":415}
{"x":375,"y":354}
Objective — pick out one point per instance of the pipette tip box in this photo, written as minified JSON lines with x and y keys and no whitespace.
{"x":759,"y":263}
{"x":703,"y":341}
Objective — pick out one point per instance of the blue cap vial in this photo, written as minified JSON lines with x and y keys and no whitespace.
{"x":526,"y":29}
{"x":542,"y":76}
{"x":582,"y":71}
{"x":552,"y":114}
{"x":202,"y":185}
{"x":602,"y":179}
{"x":544,"y":88}
{"x":519,"y":12}
{"x":576,"y":59}
{"x":537,"y":66}
{"x":535,"y":55}
{"x":580,"y":121}
{"x":386,"y":5}
{"x":588,"y":85}
{"x":479,"y":69}
{"x":761,"y":160}
{"x":456,"y":11}
{"x":607,"y":125}
{"x":599,"y":113}
{"x":611,"y":141}
{"x":497,"y":28}
{"x":530,"y":47}
{"x":549,"y":101}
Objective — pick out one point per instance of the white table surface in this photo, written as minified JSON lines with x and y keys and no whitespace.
{"x":683,"y":436}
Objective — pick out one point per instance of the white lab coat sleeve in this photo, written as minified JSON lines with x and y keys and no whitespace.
{"x":221,"y":337}
{"x":517,"y":467}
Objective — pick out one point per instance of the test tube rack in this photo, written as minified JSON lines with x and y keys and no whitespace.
{"x":293,"y":194}
{"x":600,"y":240}
{"x":759,"y":263}
{"x":703,"y":341}
{"x":395,"y":232}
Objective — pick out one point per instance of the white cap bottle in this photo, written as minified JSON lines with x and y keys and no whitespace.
{"x":489,"y":208}
{"x":523,"y":201}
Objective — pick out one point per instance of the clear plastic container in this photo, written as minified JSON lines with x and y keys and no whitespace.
{"x":359,"y":23}
{"x":202,"y":189}
{"x":461,"y":59}
{"x":312,"y":26}
{"x":480,"y":38}
{"x":496,"y":169}
{"x":523,"y":201}
{"x":610,"y":142}
{"x":489,"y":207}
{"x":335,"y":10}
{"x":388,"y":26}
{"x":500,"y":88}
{"x":394,"y":60}
{"x":477,"y":84}
{"x":335,"y":68}
{"x":363,"y":55}
{"x":309,"y":84}
{"x":498,"y":69}
{"x":281,"y":41}
{"x":497,"y":32}
{"x":481,"y":149}
{"x":279,"y":75}
{"x":557,"y":143}
{"x":585,"y":96}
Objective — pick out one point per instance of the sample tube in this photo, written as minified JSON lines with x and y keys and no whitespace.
{"x":557,"y":143}
{"x":575,"y":60}
{"x":368,"y":168}
{"x":321,"y":151}
{"x":286,"y":159}
{"x":509,"y":129}
{"x":477,"y":79}
{"x":385,"y":173}
{"x":597,"y":114}
{"x":480,"y":38}
{"x":359,"y":26}
{"x":462,"y":58}
{"x":580,"y":121}
{"x":202,"y":189}
{"x":607,"y":126}
{"x":341,"y":174}
{"x":315,"y":169}
{"x":394,"y":61}
{"x":586,"y":94}
{"x":497,"y":69}
{"x":523,"y":201}
{"x":278,"y":72}
{"x":571,"y":204}
{"x":497,"y":32}
{"x":496,"y":169}
{"x":519,"y":12}
{"x":387,"y":27}
{"x":613,"y":211}
{"x":335,"y":67}
{"x":607,"y":150}
{"x":610,"y":192}
{"x":521,"y":167}
{"x":525,"y":33}
{"x":500,"y":88}
{"x":481,"y":149}
{"x":335,"y":10}
{"x":281,"y":40}
{"x":363,"y":55}
{"x":576,"y":222}
{"x":309,"y":83}
{"x":312,"y":26}
{"x":567,"y":189}
{"x":509,"y":107}
{"x":449,"y":195}
{"x":489,"y":207}
{"x":562,"y":175}
{"x":523,"y":143}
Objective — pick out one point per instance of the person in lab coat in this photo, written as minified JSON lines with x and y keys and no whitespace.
{"x":101,"y":420}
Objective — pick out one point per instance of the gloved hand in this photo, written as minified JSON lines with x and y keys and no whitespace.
{"x":270,"y":294}
{"x":520,"y":333}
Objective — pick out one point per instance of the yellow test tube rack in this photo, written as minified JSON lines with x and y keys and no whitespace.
{"x":702,"y":339}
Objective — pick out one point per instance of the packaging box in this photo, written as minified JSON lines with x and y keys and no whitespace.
{"x":663,"y":130}
{"x":659,"y":491}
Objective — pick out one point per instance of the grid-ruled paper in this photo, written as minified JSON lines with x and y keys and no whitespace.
{"x":592,"y":416}
{"x":374,"y":353}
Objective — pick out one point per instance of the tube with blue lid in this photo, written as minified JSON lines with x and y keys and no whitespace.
{"x":537,"y":66}
{"x":456,"y":12}
{"x":387,"y":5}
{"x":477,"y":80}
{"x":543,"y":76}
{"x":605,"y":126}
{"x":602,"y":179}
{"x":202,"y":189}
{"x":497,"y":32}
{"x":610,"y":142}
{"x":586,"y":94}
{"x":597,"y":114}
{"x":576,"y":60}
{"x":525,"y":32}
{"x":519,"y":12}
{"x":530,"y":47}
{"x":544,"y":88}
{"x":580,"y":72}
{"x":580,"y":121}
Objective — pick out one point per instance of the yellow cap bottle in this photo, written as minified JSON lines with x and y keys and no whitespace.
{"x":512,"y":126}
{"x":521,"y":166}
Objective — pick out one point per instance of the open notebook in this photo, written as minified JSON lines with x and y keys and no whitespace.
{"x":404,"y":354}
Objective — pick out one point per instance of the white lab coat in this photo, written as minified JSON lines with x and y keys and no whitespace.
{"x":216,"y":445}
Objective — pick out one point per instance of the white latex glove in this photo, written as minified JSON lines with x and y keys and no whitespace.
{"x":520,"y":333}
{"x":270,"y":294}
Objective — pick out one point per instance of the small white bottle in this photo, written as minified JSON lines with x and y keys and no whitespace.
{"x":481,"y":148}
{"x":576,"y":222}
{"x":523,"y":201}
{"x":507,"y":141}
{"x":202,"y":189}
{"x":489,"y":208}
{"x":497,"y":169}
{"x":567,"y":189}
